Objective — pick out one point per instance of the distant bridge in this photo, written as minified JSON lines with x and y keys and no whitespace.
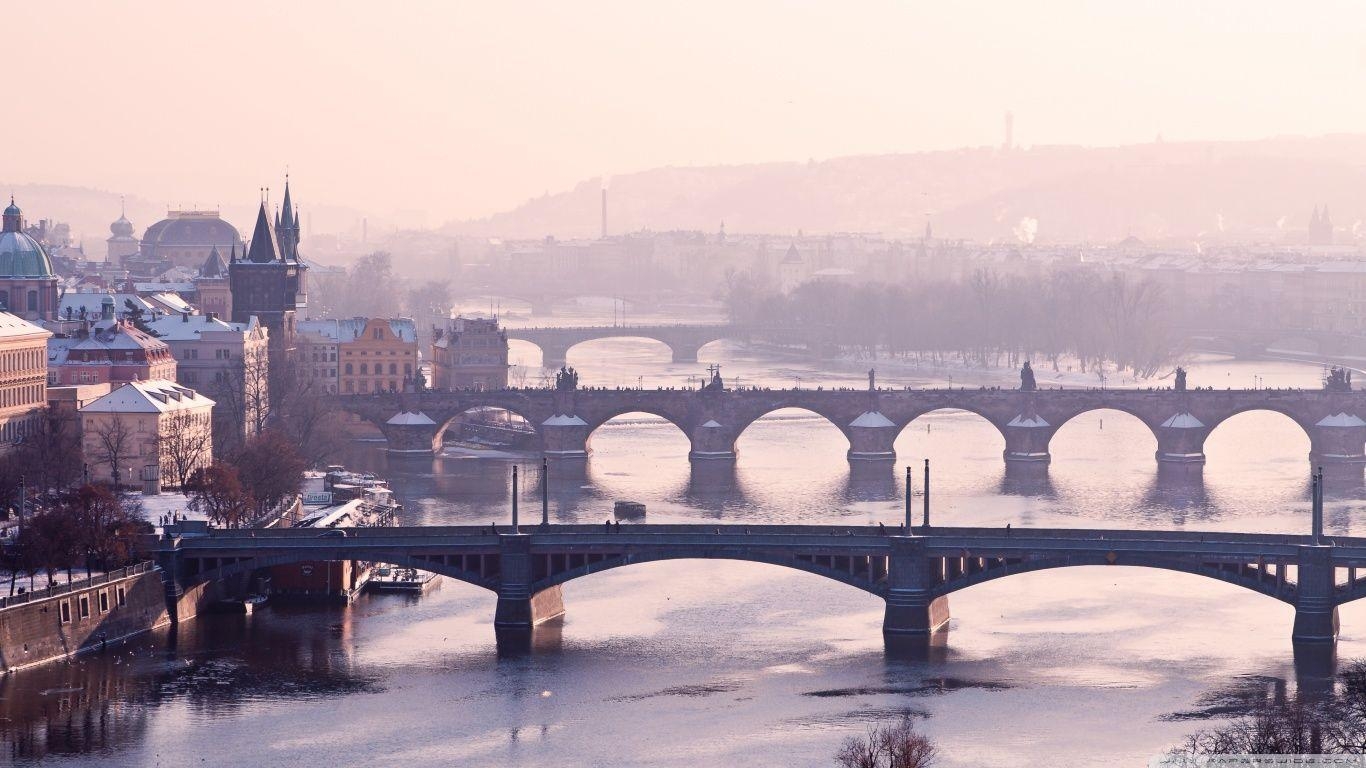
{"x":683,"y":340}
{"x":1309,"y":344}
{"x":872,"y":420}
{"x":914,"y":574}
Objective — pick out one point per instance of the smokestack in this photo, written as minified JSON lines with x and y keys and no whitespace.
{"x":604,"y":213}
{"x":1010,"y":131}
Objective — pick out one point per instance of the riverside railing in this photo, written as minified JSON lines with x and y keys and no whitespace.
{"x":76,"y":586}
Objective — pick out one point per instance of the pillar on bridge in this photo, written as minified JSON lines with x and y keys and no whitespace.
{"x":684,"y":353}
{"x":554,"y":356}
{"x":564,"y":437}
{"x":411,"y":432}
{"x":1181,"y":440}
{"x":911,"y":611}
{"x":1338,"y":439}
{"x":1316,"y":610}
{"x":518,"y":608}
{"x":712,"y":441}
{"x":1027,"y":439}
{"x":871,"y":437}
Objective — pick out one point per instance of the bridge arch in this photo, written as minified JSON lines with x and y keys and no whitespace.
{"x":1125,"y":434}
{"x":866,"y":573}
{"x":446,"y":423}
{"x":456,"y":571}
{"x":1233,"y":416}
{"x":1240,"y":575}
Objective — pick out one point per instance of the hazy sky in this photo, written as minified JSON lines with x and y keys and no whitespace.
{"x":462,"y":109}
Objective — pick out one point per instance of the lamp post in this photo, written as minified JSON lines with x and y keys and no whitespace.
{"x":514,"y":499}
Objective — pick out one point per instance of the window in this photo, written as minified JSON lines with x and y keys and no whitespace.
{"x":104,"y":601}
{"x":85,"y":606}
{"x":379,"y":334}
{"x":393,"y":369}
{"x":364,"y":369}
{"x":64,"y":611}
{"x":33,"y":301}
{"x":348,"y":369}
{"x":122,"y":597}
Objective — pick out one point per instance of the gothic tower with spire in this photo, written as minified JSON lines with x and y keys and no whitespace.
{"x":269,"y":281}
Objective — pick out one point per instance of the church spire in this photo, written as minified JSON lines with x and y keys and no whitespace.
{"x":263,"y":249}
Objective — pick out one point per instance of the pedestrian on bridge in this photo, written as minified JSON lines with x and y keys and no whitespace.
{"x":1007,"y":529}
{"x":616,"y":527}
{"x":607,"y":525}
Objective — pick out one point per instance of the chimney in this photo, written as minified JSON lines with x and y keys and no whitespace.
{"x":604,"y":213}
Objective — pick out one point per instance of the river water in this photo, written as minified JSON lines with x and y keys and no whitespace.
{"x":715,"y":663}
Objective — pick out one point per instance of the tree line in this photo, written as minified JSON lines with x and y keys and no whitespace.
{"x":987,"y":319}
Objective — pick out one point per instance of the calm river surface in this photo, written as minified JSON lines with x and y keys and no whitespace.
{"x":700,"y":663}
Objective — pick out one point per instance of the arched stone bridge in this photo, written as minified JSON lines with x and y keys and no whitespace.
{"x":914,"y":574}
{"x":871,"y":420}
{"x":683,"y":341}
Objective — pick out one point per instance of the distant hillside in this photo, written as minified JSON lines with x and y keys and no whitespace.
{"x":1159,"y":191}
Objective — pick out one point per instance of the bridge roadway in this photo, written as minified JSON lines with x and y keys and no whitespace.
{"x":871,"y":420}
{"x":914,"y":574}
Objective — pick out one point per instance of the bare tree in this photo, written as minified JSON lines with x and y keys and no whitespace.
{"x":242,"y":399}
{"x":186,"y":445}
{"x":891,"y":745}
{"x":114,"y":444}
{"x":217,"y":491}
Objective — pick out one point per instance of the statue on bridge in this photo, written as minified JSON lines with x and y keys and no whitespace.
{"x":566,"y":379}
{"x":1027,"y":383}
{"x":872,"y":379}
{"x":1338,"y":379}
{"x":715,"y":384}
{"x":1180,"y":379}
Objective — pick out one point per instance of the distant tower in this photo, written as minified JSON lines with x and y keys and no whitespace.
{"x":121,"y":243}
{"x":604,"y":213}
{"x":1010,"y":131}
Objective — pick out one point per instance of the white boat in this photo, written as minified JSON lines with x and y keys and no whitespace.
{"x":390,"y":579}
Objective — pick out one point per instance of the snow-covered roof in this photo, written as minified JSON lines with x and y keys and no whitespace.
{"x":352,"y":328}
{"x":565,"y":421}
{"x":181,"y":328}
{"x":871,"y":419}
{"x":1341,"y":419}
{"x":1027,"y":421}
{"x":411,"y":418}
{"x":1183,"y":421}
{"x":154,"y":396}
{"x":711,"y":424}
{"x":12,"y":326}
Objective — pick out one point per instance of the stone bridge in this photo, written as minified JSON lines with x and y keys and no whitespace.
{"x":872,"y":419}
{"x":915,"y":573}
{"x":683,"y":341}
{"x":1305,"y":343}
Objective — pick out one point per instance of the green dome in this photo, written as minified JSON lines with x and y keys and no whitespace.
{"x":21,"y":256}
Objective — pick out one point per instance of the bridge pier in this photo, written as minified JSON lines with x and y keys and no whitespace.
{"x":554,"y":355}
{"x":564,"y":437}
{"x":872,"y":437}
{"x":1027,"y":439}
{"x":518,"y":607}
{"x":911,"y":609}
{"x":412,"y":433}
{"x":711,"y":441}
{"x":1316,"y":610}
{"x":1181,"y":440}
{"x":684,"y":353}
{"x":1338,"y":439}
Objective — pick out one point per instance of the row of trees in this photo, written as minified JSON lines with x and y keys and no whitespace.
{"x":86,"y":526}
{"x":369,"y":287}
{"x":267,"y":472}
{"x":986,"y":320}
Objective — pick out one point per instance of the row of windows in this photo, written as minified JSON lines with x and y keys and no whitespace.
{"x":324,"y":357}
{"x":33,"y":394}
{"x":378,"y":353}
{"x":13,"y":430}
{"x":330,"y":373}
{"x":83,"y":604}
{"x":379,"y":369}
{"x":18,"y":300}
{"x":363,"y":386}
{"x":23,"y":359}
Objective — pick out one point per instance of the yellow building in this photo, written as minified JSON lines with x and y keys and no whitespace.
{"x":23,"y":378}
{"x":147,"y":431}
{"x":372,"y":354}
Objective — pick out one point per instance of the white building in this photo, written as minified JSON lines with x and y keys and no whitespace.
{"x":146,"y":430}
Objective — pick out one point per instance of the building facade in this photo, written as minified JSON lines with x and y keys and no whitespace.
{"x":146,"y":430}
{"x":469,"y":354}
{"x":23,"y":379}
{"x":317,"y":356}
{"x":376,"y":355}
{"x":229,"y":362}
{"x":106,"y":351}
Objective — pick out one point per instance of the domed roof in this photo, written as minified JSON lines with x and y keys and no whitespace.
{"x":12,"y":210}
{"x":21,"y":257}
{"x":190,"y":229}
{"x":122,"y":227}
